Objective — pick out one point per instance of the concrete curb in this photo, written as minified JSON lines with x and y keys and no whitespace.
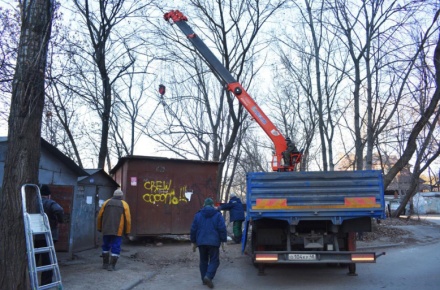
{"x":132,"y":285}
{"x":140,"y":281}
{"x":379,"y":246}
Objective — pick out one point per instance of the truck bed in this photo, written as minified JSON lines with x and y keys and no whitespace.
{"x":301,"y":196}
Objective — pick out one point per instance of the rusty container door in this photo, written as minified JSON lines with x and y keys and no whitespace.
{"x":63,"y":195}
{"x":164,"y":194}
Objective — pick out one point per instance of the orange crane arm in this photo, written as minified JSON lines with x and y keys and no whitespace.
{"x":286,"y":158}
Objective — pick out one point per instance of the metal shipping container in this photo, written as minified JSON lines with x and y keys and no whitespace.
{"x":164,"y":194}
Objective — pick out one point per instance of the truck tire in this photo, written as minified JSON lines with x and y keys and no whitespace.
{"x":253,"y":248}
{"x":351,"y":246}
{"x":352,"y":269}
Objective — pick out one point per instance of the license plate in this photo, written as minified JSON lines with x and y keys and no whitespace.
{"x":302,"y":257}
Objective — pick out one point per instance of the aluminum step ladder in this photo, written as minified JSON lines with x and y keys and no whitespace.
{"x":38,"y":224}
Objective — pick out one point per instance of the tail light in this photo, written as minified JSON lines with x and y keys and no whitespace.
{"x":363,"y":258}
{"x":266,"y":257}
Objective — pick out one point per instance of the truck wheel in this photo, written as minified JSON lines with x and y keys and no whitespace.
{"x":261,"y":268}
{"x":351,"y":246}
{"x":253,"y":248}
{"x":352,"y":269}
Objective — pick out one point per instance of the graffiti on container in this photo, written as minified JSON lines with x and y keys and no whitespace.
{"x":159,"y":191}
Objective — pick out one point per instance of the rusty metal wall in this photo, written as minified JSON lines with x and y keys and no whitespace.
{"x":63,"y":195}
{"x":164,"y":194}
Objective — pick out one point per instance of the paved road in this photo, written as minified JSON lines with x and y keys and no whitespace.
{"x":403,"y":267}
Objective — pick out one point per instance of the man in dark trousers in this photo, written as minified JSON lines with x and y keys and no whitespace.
{"x":114,"y":220}
{"x":291,"y":148}
{"x":55,"y":215}
{"x":236,"y":215}
{"x":208,"y":231}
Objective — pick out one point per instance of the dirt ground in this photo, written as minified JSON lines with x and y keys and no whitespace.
{"x":400,"y":231}
{"x":152,"y":264}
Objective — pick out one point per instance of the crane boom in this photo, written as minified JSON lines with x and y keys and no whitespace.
{"x":286,"y":155}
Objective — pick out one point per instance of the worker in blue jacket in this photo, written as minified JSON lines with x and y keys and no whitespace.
{"x":236,"y":215}
{"x":208,"y":231}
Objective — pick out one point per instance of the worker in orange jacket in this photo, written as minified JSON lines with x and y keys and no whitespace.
{"x":113,"y":221}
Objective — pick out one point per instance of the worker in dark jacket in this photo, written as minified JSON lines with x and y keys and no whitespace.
{"x":236,"y":215}
{"x":114,"y":220}
{"x":291,"y":148}
{"x":55,"y":215}
{"x":208,"y":231}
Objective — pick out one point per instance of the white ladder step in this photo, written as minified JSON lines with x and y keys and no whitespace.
{"x":46,"y":267}
{"x":36,"y":223}
{"x":42,"y":250}
{"x":52,"y":285}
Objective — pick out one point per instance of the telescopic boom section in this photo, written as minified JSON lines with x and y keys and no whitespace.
{"x":292,"y":158}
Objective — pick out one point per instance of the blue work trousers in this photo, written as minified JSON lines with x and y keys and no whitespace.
{"x":111,"y":243}
{"x":209,"y":261}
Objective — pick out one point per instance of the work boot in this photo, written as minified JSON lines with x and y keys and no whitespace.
{"x":208,"y":282}
{"x":105,"y":260}
{"x":113,"y":261}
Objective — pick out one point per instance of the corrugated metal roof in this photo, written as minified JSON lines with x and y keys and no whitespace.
{"x":58,"y":154}
{"x":98,"y":171}
{"x":154,"y":158}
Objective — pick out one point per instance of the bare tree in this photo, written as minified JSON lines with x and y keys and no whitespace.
{"x":428,"y":111}
{"x":309,"y":54}
{"x":428,"y":148}
{"x":101,"y":20}
{"x":425,"y":156}
{"x":128,"y":110}
{"x":373,"y":57}
{"x":429,"y":116}
{"x":9,"y":34}
{"x":23,"y":154}
{"x":292,"y":99}
{"x":433,"y":177}
{"x":61,"y":119}
{"x":318,"y":103}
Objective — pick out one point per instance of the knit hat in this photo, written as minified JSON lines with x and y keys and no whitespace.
{"x":44,"y":190}
{"x":209,"y":202}
{"x":118,"y":192}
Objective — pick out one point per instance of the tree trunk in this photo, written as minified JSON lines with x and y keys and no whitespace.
{"x":411,"y":145}
{"x":24,"y":134}
{"x":316,"y":48}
